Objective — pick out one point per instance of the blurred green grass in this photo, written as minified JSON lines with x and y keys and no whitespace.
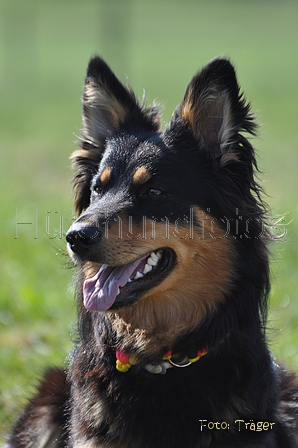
{"x":157,"y":45}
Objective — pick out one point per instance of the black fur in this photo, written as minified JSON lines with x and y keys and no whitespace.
{"x":203,"y":162}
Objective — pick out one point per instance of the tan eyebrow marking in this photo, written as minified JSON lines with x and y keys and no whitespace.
{"x":141,"y":175}
{"x":105,"y":175}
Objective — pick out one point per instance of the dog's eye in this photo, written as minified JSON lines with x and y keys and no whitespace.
{"x":154,"y":192}
{"x":97,"y":189}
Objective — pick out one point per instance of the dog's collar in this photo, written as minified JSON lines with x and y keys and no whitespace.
{"x":124,"y":361}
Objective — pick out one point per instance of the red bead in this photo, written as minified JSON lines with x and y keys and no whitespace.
{"x":122,"y":356}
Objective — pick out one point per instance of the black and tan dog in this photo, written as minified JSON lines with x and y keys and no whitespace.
{"x":173,"y":278}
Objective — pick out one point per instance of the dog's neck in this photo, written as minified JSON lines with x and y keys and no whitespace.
{"x":147,"y":340}
{"x":155,"y":351}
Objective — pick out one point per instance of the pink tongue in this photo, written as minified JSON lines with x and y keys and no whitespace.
{"x":100,"y":291}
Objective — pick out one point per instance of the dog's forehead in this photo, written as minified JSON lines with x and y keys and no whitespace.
{"x":132,"y":154}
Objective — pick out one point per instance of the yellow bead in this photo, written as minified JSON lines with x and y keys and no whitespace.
{"x":194,"y":359}
{"x":133,"y":360}
{"x":167,"y":356}
{"x":121,"y":367}
{"x":203,"y":353}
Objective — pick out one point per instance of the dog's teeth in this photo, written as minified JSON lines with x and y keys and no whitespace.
{"x":154,"y":256}
{"x":129,"y":280}
{"x":159,"y":254}
{"x":118,"y":292}
{"x":152,"y":262}
{"x":147,"y":268}
{"x":153,"y":259}
{"x":138,"y":275}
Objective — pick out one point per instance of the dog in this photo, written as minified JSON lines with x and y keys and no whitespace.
{"x":171,"y":246}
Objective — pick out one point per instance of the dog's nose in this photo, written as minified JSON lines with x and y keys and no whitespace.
{"x":81,"y":238}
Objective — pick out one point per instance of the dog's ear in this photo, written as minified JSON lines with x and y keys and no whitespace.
{"x":215,"y":109}
{"x":108,"y":107}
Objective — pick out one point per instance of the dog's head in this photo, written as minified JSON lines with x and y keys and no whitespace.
{"x":164,"y":216}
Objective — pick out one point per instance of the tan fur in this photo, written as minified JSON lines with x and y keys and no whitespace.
{"x":90,"y":269}
{"x":102,"y":98}
{"x":198,"y":282}
{"x":213,"y":106}
{"x":105,"y":175}
{"x":142,"y":175}
{"x":84,"y":154}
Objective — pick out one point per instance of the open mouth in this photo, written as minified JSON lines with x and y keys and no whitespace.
{"x":115,"y":287}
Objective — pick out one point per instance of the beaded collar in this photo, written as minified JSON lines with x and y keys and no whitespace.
{"x":124,"y":361}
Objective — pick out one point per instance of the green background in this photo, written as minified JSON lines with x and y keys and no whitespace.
{"x":157,"y":45}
